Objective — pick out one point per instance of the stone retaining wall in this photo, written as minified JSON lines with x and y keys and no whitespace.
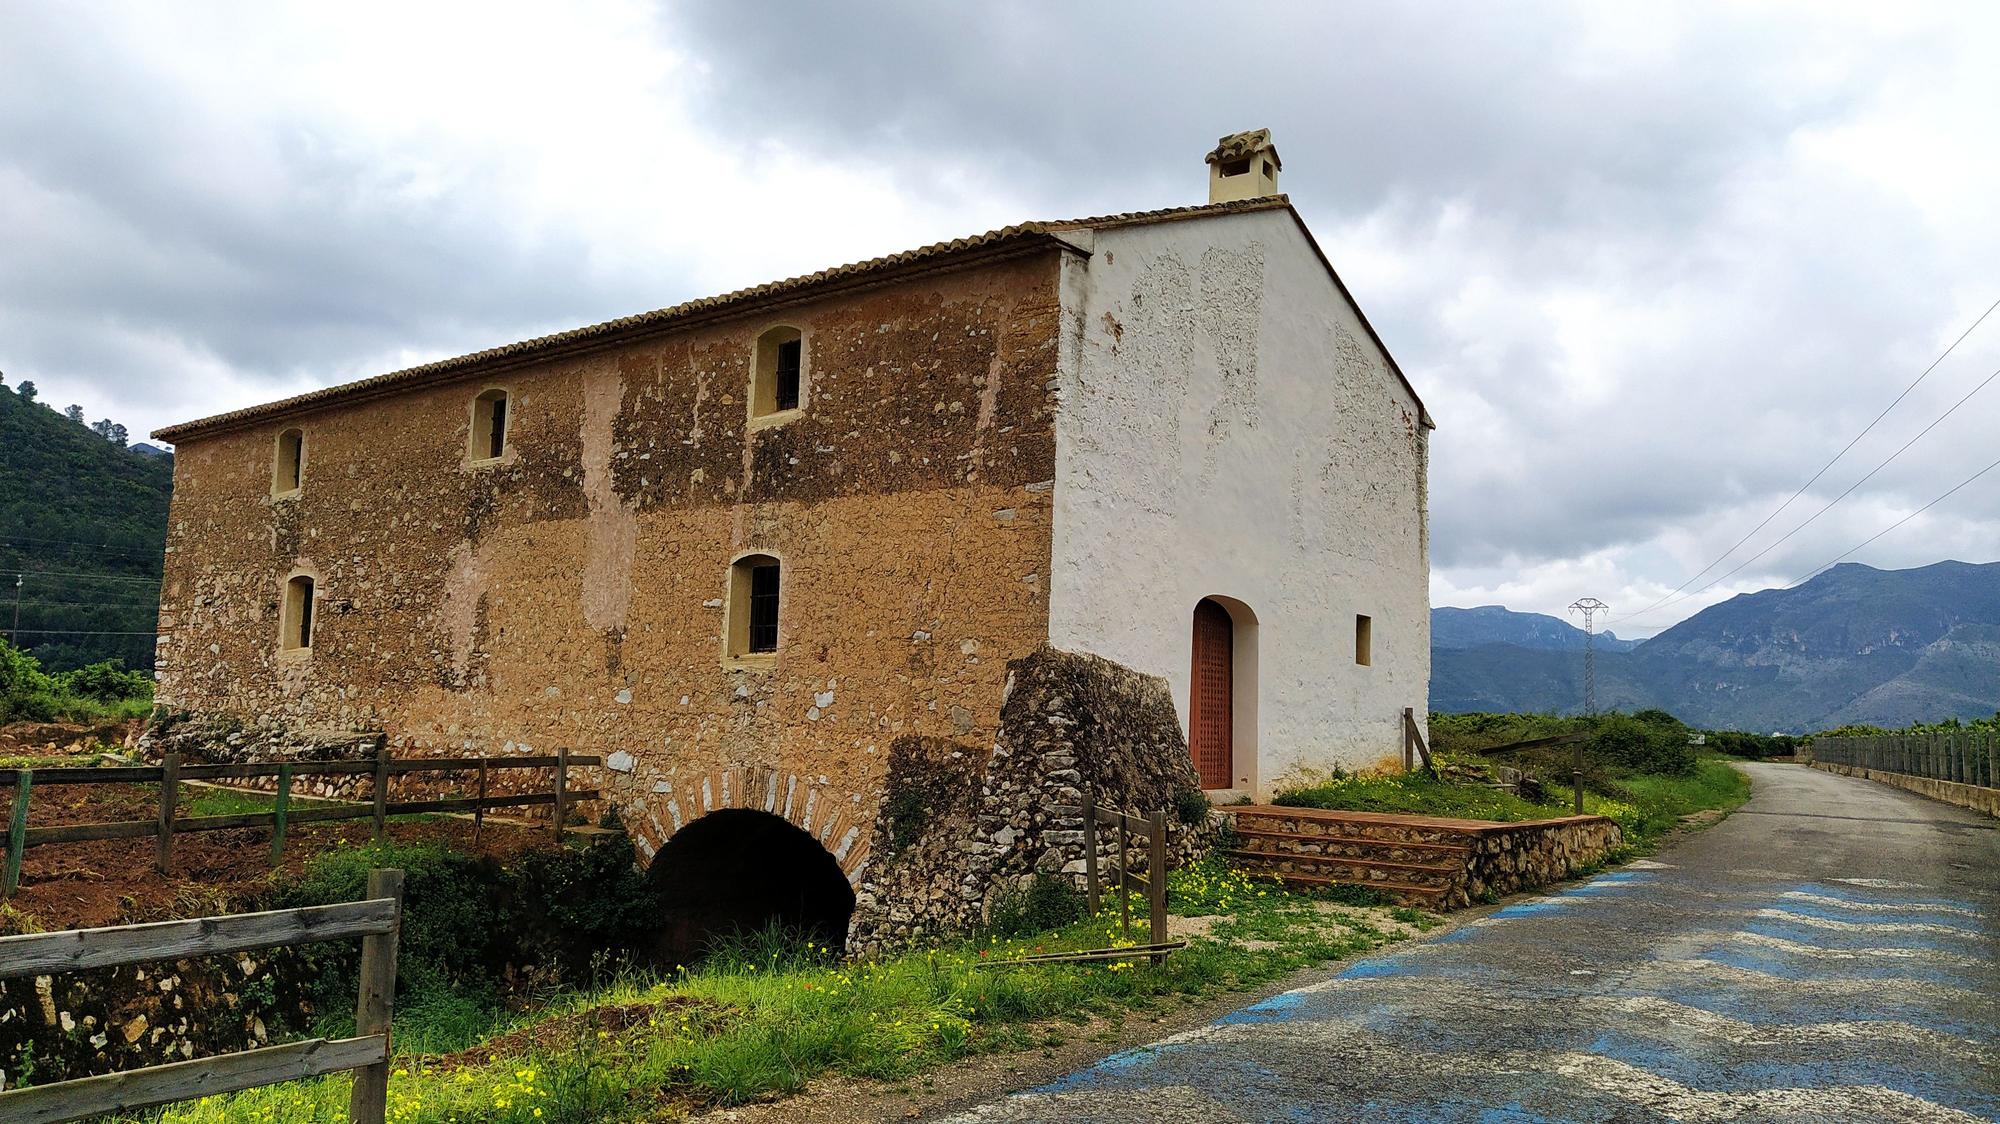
{"x":75,"y":1024}
{"x":1508,"y":858}
{"x":1976,"y":797}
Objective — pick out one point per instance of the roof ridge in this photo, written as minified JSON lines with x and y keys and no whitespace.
{"x":718,"y":303}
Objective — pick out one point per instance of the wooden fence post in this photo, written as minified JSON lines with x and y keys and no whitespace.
{"x":562,"y":784}
{"x":375,"y":1004}
{"x":1156,"y":883}
{"x":479,"y":811}
{"x":1124,"y":891}
{"x":279,"y":812}
{"x":1409,"y":743}
{"x":381,"y":788}
{"x":17,"y":832}
{"x":1090,"y":849}
{"x":170,"y":788}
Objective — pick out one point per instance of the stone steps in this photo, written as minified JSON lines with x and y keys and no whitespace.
{"x":1430,"y":897}
{"x":1435,"y":861}
{"x":1366,"y":872}
{"x":1353,"y":846}
{"x":1378,"y":826}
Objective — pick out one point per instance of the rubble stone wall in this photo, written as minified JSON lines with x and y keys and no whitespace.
{"x":959,"y":831}
{"x":1508,"y":858}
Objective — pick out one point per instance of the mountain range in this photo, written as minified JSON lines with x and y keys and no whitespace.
{"x":1855,"y":645}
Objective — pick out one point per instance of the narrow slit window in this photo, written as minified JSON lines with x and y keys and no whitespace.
{"x":296,"y":623}
{"x":754,"y":599}
{"x":288,"y":469}
{"x":764,"y":608}
{"x":786,"y":392}
{"x":777,"y":373}
{"x":1364,"y":640}
{"x":489,"y":425}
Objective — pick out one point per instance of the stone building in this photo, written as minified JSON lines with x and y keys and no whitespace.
{"x":851,"y":577}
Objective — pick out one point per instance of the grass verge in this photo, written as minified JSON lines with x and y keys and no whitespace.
{"x":763,"y":1018}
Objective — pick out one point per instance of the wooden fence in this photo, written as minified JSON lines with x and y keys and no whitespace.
{"x":1969,"y":757}
{"x":1414,"y":746}
{"x":1153,"y":829}
{"x":170,"y":772}
{"x":376,"y":919}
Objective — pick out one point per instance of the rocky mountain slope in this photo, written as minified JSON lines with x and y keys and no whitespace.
{"x":1853,"y":645}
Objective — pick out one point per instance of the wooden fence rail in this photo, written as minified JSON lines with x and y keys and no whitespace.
{"x":1969,"y":757}
{"x":376,"y":919}
{"x":170,"y":773}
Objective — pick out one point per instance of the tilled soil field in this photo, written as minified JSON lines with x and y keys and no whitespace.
{"x":112,"y":882}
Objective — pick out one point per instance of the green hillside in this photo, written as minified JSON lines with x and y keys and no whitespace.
{"x":83,"y":522}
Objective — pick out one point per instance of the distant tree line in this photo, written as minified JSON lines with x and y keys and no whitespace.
{"x":94,"y":691}
{"x":83,"y":522}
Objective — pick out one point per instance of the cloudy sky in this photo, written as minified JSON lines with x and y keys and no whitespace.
{"x":1650,"y":266}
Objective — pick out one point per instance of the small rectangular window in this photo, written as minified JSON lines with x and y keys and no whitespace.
{"x":289,"y":467}
{"x":1364,"y":628}
{"x":785,"y":392}
{"x":295,"y":623}
{"x":496,"y":435}
{"x":764,"y":608}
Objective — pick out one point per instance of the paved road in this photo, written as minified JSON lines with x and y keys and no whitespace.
{"x":1829,"y":953}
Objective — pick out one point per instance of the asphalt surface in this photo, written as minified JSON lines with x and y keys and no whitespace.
{"x":1831,"y":952}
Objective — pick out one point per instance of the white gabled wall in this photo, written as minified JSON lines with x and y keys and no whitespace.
{"x":1228,"y":428}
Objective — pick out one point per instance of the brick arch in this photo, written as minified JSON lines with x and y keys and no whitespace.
{"x":824,"y":811}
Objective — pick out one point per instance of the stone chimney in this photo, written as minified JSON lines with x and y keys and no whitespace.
{"x":1244,"y":166}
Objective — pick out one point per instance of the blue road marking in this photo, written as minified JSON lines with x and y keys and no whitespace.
{"x":1701,"y":1073}
{"x":1876,"y":897}
{"x":1799,"y":966}
{"x":1828,"y":938}
{"x":1959,"y":922}
{"x":1528,"y":909}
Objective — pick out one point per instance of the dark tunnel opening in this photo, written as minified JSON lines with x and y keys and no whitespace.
{"x":736,"y":871}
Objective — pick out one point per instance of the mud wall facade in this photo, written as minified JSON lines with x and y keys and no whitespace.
{"x":573,"y":592}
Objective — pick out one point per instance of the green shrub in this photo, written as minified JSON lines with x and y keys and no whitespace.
{"x":106,"y":682}
{"x":1049,"y":902}
{"x":1628,"y":743}
{"x":475,"y":929}
{"x":1191,"y":805}
{"x":101,"y":690}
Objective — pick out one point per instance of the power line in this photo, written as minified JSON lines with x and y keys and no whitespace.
{"x":1830,"y":504}
{"x":23,"y":542}
{"x":91,"y":577}
{"x":59,"y":632}
{"x":1893,"y":526}
{"x":1822,"y":470}
{"x":9,"y":537}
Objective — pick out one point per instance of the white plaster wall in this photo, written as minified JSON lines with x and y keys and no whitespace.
{"x":1227,"y":428}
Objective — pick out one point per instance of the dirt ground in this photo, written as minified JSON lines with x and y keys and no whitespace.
{"x":112,"y":882}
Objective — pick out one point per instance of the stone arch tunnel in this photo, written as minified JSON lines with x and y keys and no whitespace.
{"x":738,"y":870}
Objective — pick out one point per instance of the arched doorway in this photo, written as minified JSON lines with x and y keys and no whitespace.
{"x":1212,"y":695}
{"x":735,"y":870}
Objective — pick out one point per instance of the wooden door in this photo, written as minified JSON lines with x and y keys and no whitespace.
{"x":1212,"y":682}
